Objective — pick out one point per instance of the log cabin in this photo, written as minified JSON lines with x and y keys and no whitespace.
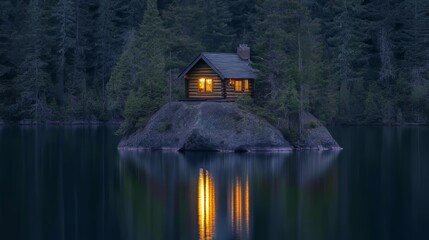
{"x":220,"y":76}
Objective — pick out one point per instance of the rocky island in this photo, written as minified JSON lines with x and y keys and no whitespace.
{"x":216,"y":117}
{"x":220,"y":126}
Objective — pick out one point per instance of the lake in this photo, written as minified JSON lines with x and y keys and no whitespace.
{"x":72,"y":183}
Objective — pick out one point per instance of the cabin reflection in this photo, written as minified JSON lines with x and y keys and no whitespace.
{"x":206,"y":205}
{"x":237,"y":211}
{"x":217,"y":196}
{"x":239,"y":205}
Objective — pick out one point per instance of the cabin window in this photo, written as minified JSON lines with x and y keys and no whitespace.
{"x":205,"y":85}
{"x":246,"y":85}
{"x":238,"y":87}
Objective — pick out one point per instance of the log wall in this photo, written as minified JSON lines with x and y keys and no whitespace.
{"x":202,"y":70}
{"x":231,"y":93}
{"x":221,"y":89}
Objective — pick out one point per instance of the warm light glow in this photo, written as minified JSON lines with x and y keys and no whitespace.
{"x":246,"y":85}
{"x":205,"y":85}
{"x":238,"y":87}
{"x":202,"y":85}
{"x":239,"y":208}
{"x":206,"y":205}
{"x":246,"y":207}
{"x":209,"y":85}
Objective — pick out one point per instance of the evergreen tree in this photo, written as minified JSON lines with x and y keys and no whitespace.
{"x":218,"y":34}
{"x":77,"y":86}
{"x":381,"y":15}
{"x":242,"y":12}
{"x":183,"y":21}
{"x":373,"y":104}
{"x":33,"y":81}
{"x":109,"y":39}
{"x":79,"y":99}
{"x":65,"y":17}
{"x":415,"y":62}
{"x":104,"y":55}
{"x":7,"y":67}
{"x":135,"y":12}
{"x":318,"y":91}
{"x":279,"y":58}
{"x":270,"y":48}
{"x":124,"y":77}
{"x":5,"y":38}
{"x":150,"y":86}
{"x":185,"y":34}
{"x":343,"y":27}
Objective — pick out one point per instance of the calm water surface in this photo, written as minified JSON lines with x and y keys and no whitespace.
{"x":72,"y":183}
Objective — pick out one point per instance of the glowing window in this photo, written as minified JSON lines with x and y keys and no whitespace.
{"x":209,"y":85}
{"x":205,"y":85}
{"x":246,"y":85}
{"x":202,"y":85}
{"x":238,"y":87}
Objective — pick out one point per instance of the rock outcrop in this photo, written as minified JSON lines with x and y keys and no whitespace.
{"x":315,"y":135}
{"x":206,"y":126}
{"x":222,"y":126}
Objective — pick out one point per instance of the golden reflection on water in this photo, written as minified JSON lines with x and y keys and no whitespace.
{"x":239,"y":208}
{"x":206,"y":205}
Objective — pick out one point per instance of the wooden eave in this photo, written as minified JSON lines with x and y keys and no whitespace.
{"x":196,"y":60}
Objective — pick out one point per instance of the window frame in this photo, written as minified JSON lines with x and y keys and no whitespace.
{"x":243,"y":83}
{"x":246,"y":85}
{"x":205,"y":80}
{"x":236,"y":85}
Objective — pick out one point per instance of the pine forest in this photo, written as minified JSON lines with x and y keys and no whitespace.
{"x":346,"y":62}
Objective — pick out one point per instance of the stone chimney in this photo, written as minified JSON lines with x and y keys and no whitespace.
{"x":243,"y":51}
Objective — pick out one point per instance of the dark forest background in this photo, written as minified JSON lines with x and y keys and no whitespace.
{"x":345,"y":61}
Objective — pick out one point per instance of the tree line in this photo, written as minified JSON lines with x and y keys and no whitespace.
{"x":350,"y":62}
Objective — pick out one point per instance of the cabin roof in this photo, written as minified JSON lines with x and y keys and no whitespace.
{"x":226,"y":65}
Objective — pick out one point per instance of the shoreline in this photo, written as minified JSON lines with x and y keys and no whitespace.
{"x":377,"y":125}
{"x":252,"y":150}
{"x":76,"y":123}
{"x":117,"y":123}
